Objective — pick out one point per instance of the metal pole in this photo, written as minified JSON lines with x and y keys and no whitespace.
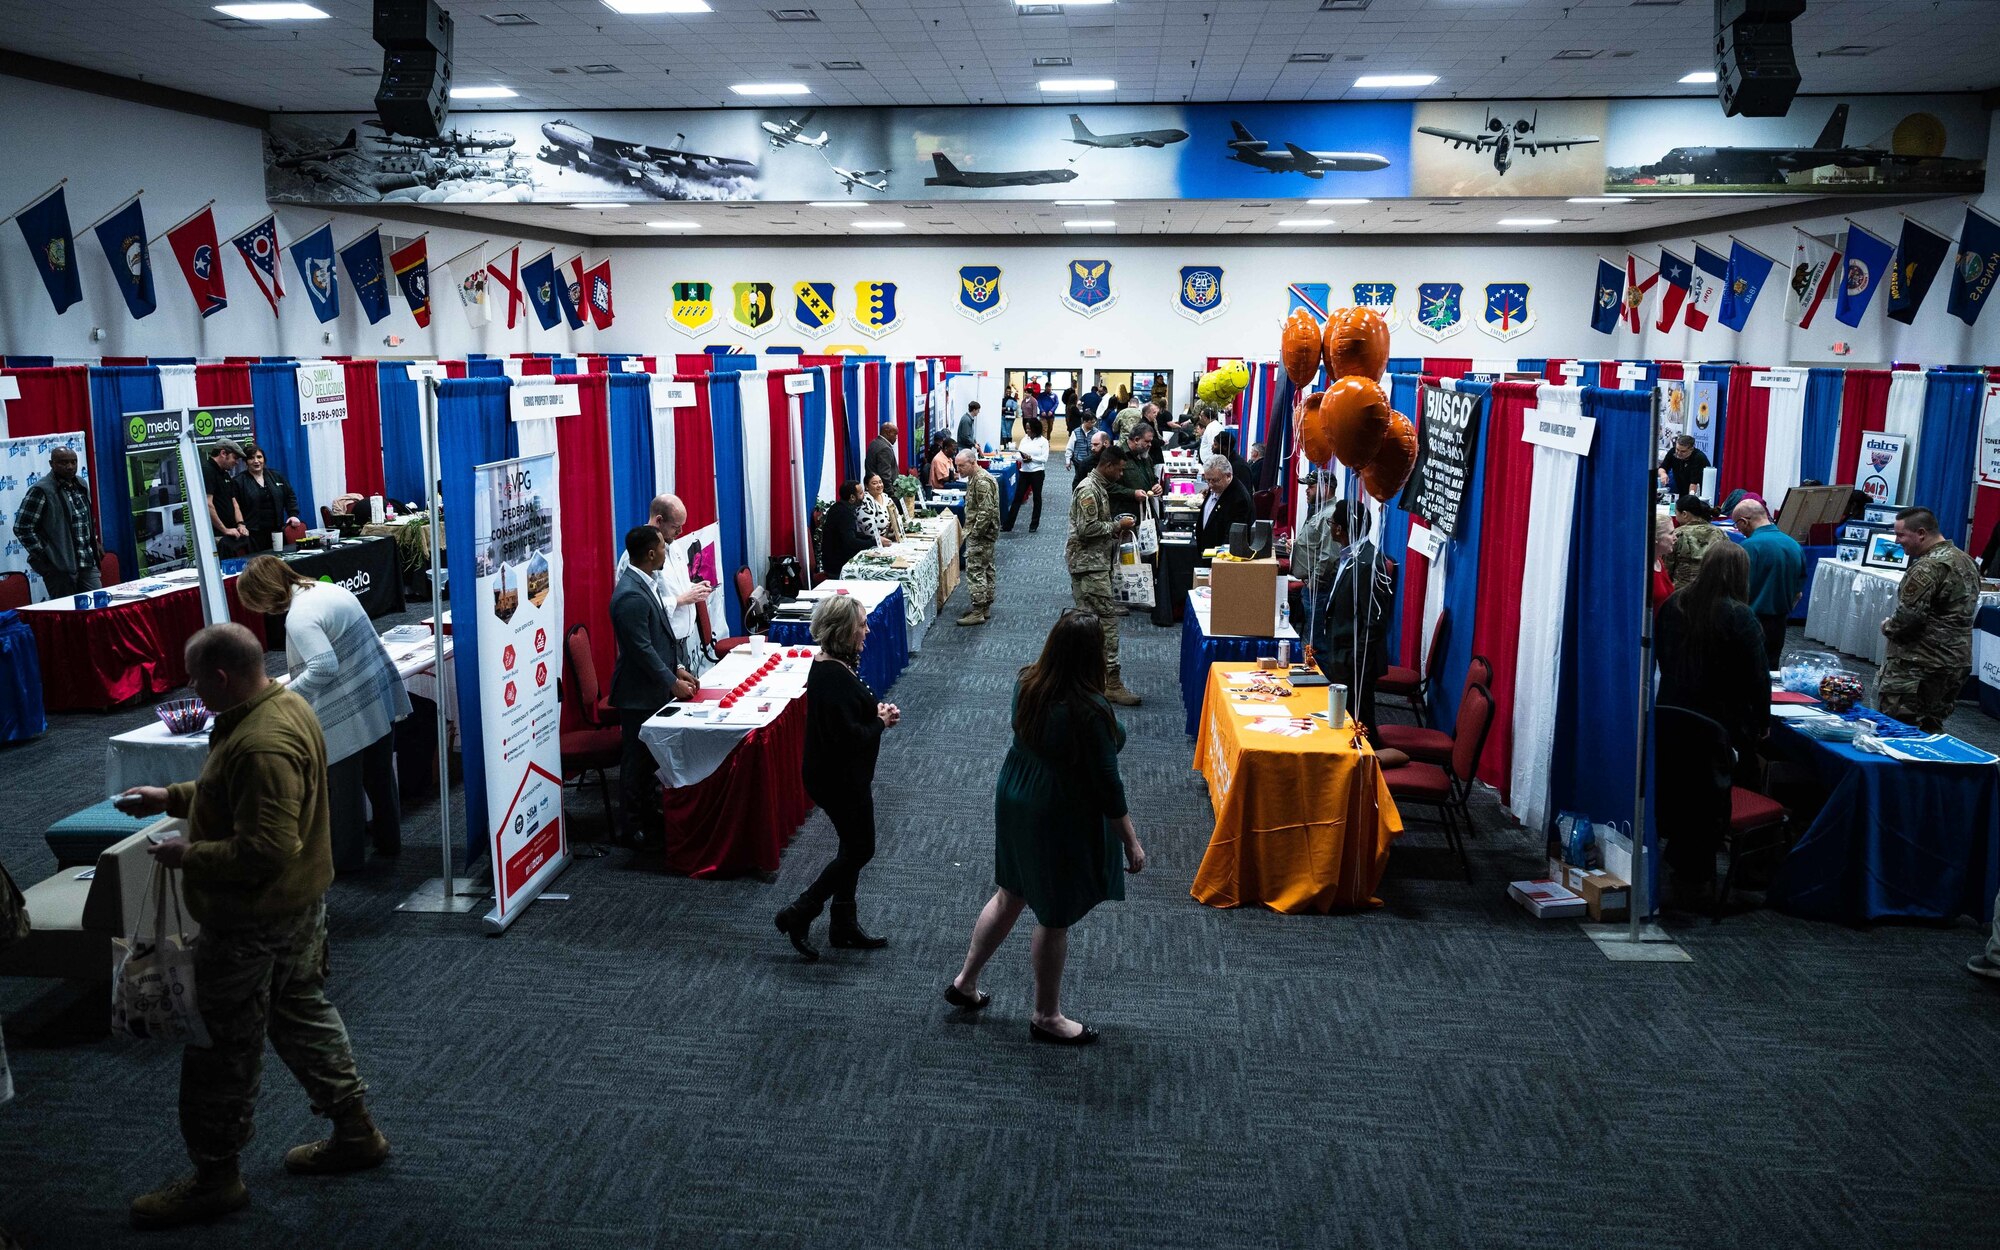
{"x":1641,"y":868}
{"x":437,"y":640}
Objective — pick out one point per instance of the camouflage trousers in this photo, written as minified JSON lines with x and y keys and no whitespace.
{"x":256,"y":981}
{"x":980,"y":581}
{"x":1918,"y":695}
{"x":1093,"y":593}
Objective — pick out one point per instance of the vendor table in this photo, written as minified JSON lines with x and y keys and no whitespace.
{"x":1849,"y":602}
{"x":1173,"y":572}
{"x":97,"y":658}
{"x":735,"y":790}
{"x":886,"y":653}
{"x":1302,"y":824}
{"x":1986,"y":659}
{"x":1894,"y":838}
{"x":1200,"y":649}
{"x":920,"y":562}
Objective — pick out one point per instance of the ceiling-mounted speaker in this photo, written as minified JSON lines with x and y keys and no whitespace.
{"x":414,"y":95}
{"x":1756,"y":74}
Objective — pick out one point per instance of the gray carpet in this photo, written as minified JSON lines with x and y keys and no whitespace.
{"x":649,"y":1064}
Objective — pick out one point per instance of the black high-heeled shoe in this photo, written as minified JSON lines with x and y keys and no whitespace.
{"x":1053,"y":1038}
{"x":978,"y":1000}
{"x":797,"y":925}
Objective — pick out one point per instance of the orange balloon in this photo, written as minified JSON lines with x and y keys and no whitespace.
{"x":1299,"y":347}
{"x":1357,"y":343}
{"x":1314,"y":437}
{"x":1384,"y":476}
{"x":1356,"y":413}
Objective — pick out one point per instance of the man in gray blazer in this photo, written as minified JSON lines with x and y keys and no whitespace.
{"x":646,"y":676}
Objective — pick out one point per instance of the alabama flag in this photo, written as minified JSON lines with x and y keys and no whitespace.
{"x":195,"y":247}
{"x":509,"y":280}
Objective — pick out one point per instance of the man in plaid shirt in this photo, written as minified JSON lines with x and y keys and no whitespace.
{"x":55,"y":527}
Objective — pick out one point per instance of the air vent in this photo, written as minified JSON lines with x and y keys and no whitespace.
{"x":510,"y":19}
{"x":1446,"y":203}
{"x":1654,"y":4}
{"x":1245,"y":222}
{"x":1354,"y":56}
{"x":600,"y":69}
{"x":1266,"y":204}
{"x":1407,"y":221}
{"x":1343,"y":6}
{"x":940,"y":223}
{"x":1051,"y":62}
{"x":1309,"y":58}
{"x":559,"y":69}
{"x":232,"y":23}
{"x":361,"y":71}
{"x":1619,"y":56}
{"x":1576,"y":54}
{"x":792,"y":15}
{"x":1849,"y":49}
{"x":737,"y":208}
{"x":840,"y":65}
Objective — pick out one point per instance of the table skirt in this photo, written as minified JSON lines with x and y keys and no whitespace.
{"x":21,"y":712}
{"x":883,"y":657}
{"x":741,"y":818}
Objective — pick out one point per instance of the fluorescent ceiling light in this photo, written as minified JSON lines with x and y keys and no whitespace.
{"x":482,"y":93}
{"x":1307,"y":221}
{"x":1087,"y":225}
{"x":1600,"y":199}
{"x":674,"y":225}
{"x":1395,"y":80}
{"x":271,"y":12}
{"x":1078,"y":84}
{"x":876,"y":225}
{"x":639,"y":7}
{"x":831,"y":204}
{"x":604,"y":204}
{"x":1317,"y":202}
{"x":1083,"y":203}
{"x":771,"y":88}
{"x":1699,"y":76}
{"x":1527,"y":221}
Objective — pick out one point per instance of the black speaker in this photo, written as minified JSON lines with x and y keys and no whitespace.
{"x":1756,"y":74}
{"x":412,"y":26}
{"x":414,"y":96}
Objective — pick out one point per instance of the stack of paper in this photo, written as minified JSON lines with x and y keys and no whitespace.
{"x":1545,"y":900}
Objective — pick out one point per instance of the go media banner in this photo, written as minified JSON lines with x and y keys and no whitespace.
{"x":519,"y":593}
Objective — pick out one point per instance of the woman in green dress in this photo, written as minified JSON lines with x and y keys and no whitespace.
{"x":1059,"y":820}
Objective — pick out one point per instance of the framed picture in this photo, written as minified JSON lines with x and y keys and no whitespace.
{"x":1884,"y":552}
{"x":1848,"y":553}
{"x":1856,"y":532}
{"x":1880,"y":514}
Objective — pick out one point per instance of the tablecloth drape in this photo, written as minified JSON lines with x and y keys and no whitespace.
{"x":743,"y":816}
{"x":1201,"y":650}
{"x":883,"y":657}
{"x":21,"y":710}
{"x":1846,"y":606}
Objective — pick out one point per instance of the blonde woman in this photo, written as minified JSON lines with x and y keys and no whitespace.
{"x":339,"y":666}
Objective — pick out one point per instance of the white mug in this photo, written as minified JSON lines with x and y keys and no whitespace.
{"x":277,"y":540}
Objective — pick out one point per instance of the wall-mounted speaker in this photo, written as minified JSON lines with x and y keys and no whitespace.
{"x":414,"y":95}
{"x":1756,"y":74}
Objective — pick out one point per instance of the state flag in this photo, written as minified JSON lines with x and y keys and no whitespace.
{"x":363,"y":260}
{"x":1749,"y":270}
{"x":1869,"y":259}
{"x":1635,"y":291}
{"x":465,"y":273}
{"x":597,"y":293}
{"x":313,"y":256}
{"x":1815,"y":261}
{"x":1608,"y":306}
{"x":412,"y":264}
{"x":1711,"y":275}
{"x":1920,"y":255}
{"x":569,"y":291}
{"x":510,"y":282}
{"x":195,"y":247}
{"x":45,"y":225}
{"x":538,"y":279}
{"x":1679,"y":276}
{"x":1976,"y":266}
{"x":122,"y":235}
{"x":259,"y":248}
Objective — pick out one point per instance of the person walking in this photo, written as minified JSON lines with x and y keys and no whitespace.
{"x":844,"y":726}
{"x":255,"y":865}
{"x":1033,"y":474}
{"x":57,"y":529}
{"x":1010,"y":411}
{"x":646,"y":676}
{"x":1059,"y":822}
{"x":339,"y":665}
{"x":1083,"y":454}
{"x":1929,"y":655}
{"x":968,"y":426}
{"x":982,"y":531}
{"x":268,"y":501}
{"x":1091,"y":552}
{"x":1777,"y":574}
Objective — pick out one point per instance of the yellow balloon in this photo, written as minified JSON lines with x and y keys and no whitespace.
{"x":1238,"y":374}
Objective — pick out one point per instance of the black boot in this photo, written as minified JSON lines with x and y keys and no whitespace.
{"x":796,"y":922}
{"x":847,"y":934}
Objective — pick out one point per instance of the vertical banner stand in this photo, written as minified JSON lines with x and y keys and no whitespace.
{"x":1640,"y":939}
{"x":208,"y":570}
{"x":443,"y":893}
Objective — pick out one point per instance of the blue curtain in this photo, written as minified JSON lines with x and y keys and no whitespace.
{"x":1596,"y":755}
{"x":1406,"y":364}
{"x":402,"y":434}
{"x":1396,"y":522}
{"x":113,"y":393}
{"x":43,"y":362}
{"x":1532,"y":364}
{"x":1948,"y":448}
{"x":1822,"y":432}
{"x":1461,"y":574}
{"x":274,"y":393}
{"x":485,"y":367}
{"x":473,"y":429}
{"x":630,"y":412}
{"x":731,"y":362}
{"x":563,"y":364}
{"x":812,"y":433}
{"x":1718,"y":374}
{"x":902,"y":385}
{"x":170,"y":360}
{"x":725,"y":415}
{"x":279,"y":360}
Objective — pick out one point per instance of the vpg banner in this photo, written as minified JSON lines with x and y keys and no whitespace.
{"x":1989,"y":437}
{"x":519,"y":589}
{"x":1879,"y":471}
{"x":24,"y":462}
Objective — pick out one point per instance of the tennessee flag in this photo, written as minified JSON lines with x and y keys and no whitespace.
{"x":195,"y":247}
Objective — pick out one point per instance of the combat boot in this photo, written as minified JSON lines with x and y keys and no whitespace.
{"x":1115,"y":691}
{"x":977,"y":616}
{"x":212,"y":1192}
{"x":356,"y":1144}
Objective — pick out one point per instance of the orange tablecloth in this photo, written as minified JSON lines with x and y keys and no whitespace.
{"x":1301,"y":824}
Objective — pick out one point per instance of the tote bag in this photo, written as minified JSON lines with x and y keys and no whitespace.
{"x":152,"y":982}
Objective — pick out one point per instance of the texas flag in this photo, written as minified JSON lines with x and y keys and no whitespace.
{"x":259,"y":246}
{"x":195,"y":247}
{"x":1679,"y":276}
{"x":1710,"y":271}
{"x":597,"y":293}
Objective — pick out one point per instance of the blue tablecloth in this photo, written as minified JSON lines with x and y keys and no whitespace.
{"x":1199,"y":650}
{"x":1894,"y":839}
{"x":1813,"y":555}
{"x":1010,"y":481}
{"x":1987,"y":622}
{"x":21,"y":714}
{"x":886,"y":653}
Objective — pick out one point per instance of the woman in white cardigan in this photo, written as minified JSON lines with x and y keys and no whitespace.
{"x":339,"y":666}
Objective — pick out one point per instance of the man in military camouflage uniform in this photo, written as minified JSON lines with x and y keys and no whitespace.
{"x":1930,"y":634}
{"x":982,"y":530}
{"x":1693,"y":536}
{"x":1095,"y":530}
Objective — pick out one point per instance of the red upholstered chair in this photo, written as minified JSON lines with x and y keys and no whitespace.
{"x":1449,"y":788}
{"x":14,"y":591}
{"x":591,"y":704}
{"x":1693,"y":760}
{"x":597,"y":746}
{"x":1432,"y":746}
{"x":107,"y":569}
{"x":1264,"y":504}
{"x":1406,"y":683}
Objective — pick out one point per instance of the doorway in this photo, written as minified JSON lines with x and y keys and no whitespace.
{"x":1141,"y":384}
{"x":1050,"y":382}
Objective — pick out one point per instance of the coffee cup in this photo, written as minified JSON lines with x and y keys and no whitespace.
{"x":83,"y":601}
{"x":100,"y":598}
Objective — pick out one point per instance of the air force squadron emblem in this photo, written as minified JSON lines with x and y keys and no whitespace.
{"x":1202,"y":298}
{"x":813,"y":313}
{"x":1090,"y":290}
{"x":693,"y":309}
{"x":876,"y":312}
{"x":1508,"y":314}
{"x":752,"y":308}
{"x":1380,"y":296}
{"x":979,"y":293}
{"x":1440,"y":310}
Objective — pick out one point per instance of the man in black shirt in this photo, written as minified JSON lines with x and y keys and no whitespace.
{"x":1682,"y":467}
{"x":225,"y":509}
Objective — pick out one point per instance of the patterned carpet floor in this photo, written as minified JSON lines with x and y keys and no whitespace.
{"x":648,"y":1064}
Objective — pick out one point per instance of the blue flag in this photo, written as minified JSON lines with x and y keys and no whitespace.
{"x":123,"y":238}
{"x":1869,"y":260}
{"x":45,"y":225}
{"x":1919,"y":256}
{"x":538,"y":281}
{"x":1749,"y":270}
{"x":363,"y":260}
{"x":1978,"y":263}
{"x":569,"y":291}
{"x":1608,"y":307}
{"x":314,"y":257}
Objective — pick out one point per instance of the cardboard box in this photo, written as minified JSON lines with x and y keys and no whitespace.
{"x":1201,"y":577}
{"x":1244,"y":598}
{"x":1607,"y":897}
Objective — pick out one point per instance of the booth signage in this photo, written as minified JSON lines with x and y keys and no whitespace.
{"x":1704,"y":406}
{"x":673,"y":395}
{"x":433,"y":370}
{"x":1447,"y":448}
{"x":26,"y":460}
{"x":1425,"y":541}
{"x":1777,"y":379}
{"x":322,"y":393}
{"x":10,"y":387}
{"x":1878,"y":472}
{"x":1989,"y":437}
{"x":208,"y":425}
{"x":1570,"y":369}
{"x":1629,"y":372}
{"x":1562,"y":432}
{"x":537,"y":401}
{"x":798,"y":384}
{"x":632,"y":365}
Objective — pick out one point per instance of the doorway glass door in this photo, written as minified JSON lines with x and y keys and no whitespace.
{"x":1040,"y":391}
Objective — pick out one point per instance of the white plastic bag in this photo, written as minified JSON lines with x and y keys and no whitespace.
{"x":152,"y":980}
{"x":1149,"y":538}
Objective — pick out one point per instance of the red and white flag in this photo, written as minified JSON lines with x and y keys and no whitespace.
{"x":259,"y":246}
{"x":1635,"y":291}
{"x":1815,"y":262}
{"x":509,"y":281}
{"x":195,"y":247}
{"x":597,"y":293}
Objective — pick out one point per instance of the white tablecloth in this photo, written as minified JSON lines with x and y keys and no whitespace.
{"x":921,"y":554}
{"x":691,"y":744}
{"x":1849,"y":603}
{"x":1198,"y":603}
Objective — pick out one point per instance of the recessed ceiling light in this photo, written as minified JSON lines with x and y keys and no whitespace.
{"x":771,"y":88}
{"x":1527,"y":221}
{"x":1309,"y":58}
{"x":600,"y":68}
{"x":793,"y":15}
{"x":1078,"y":84}
{"x":1087,"y":225}
{"x":272,"y":12}
{"x":1083,"y":203}
{"x":674,"y":225}
{"x":1395,"y":80}
{"x":1699,"y":76}
{"x":510,"y":19}
{"x":605,"y":204}
{"x":877,"y":225}
{"x":1052,"y":62}
{"x":482,"y":93}
{"x":1600,"y":199}
{"x":840,"y":65}
{"x":1306,"y":221}
{"x":642,"y":7}
{"x":1336,"y":201}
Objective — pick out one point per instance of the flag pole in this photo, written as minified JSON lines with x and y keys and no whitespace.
{"x":462,"y":255}
{"x":60,"y":184}
{"x":182,"y":222}
{"x":341,"y":247}
{"x":120,"y":205}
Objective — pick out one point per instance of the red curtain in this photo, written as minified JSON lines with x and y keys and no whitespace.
{"x":361,"y":433}
{"x":1607,"y":374}
{"x":117,"y":362}
{"x":53,"y":401}
{"x":1743,"y":434}
{"x":784,"y":475}
{"x":223,"y":384}
{"x":1412,"y":589}
{"x":1864,"y":408}
{"x":589,"y":545}
{"x":1553,"y":371}
{"x":537,"y":366}
{"x":694,"y":457}
{"x":1503,"y":559}
{"x":950,"y":363}
{"x":693,"y":364}
{"x":455,"y":368}
{"x":1672,"y":370}
{"x":1447,"y":366}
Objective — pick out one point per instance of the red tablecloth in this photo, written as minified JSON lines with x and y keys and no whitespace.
{"x":101,"y":657}
{"x":742,"y":816}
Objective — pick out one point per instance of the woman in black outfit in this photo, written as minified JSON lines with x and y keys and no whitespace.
{"x":844,"y":725}
{"x":1072,"y":415}
{"x":269,"y":503}
{"x":842,"y":534}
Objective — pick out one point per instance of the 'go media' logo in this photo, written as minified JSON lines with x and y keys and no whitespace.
{"x":204,"y":423}
{"x":141,"y":430}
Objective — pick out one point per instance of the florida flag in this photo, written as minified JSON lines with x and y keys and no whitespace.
{"x":259,"y":247}
{"x":195,"y":247}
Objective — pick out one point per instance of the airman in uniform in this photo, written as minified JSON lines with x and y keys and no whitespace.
{"x":1930,"y":634}
{"x":982,"y":530}
{"x":1095,"y":532}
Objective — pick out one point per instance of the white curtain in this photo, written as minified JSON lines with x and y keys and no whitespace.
{"x":326,"y":456}
{"x":663,"y":449}
{"x":831,"y":471}
{"x":754,"y":408}
{"x":1906,"y":416}
{"x":1544,"y":591}
{"x":1784,"y":439}
{"x":177,"y":387}
{"x":1433,"y":603}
